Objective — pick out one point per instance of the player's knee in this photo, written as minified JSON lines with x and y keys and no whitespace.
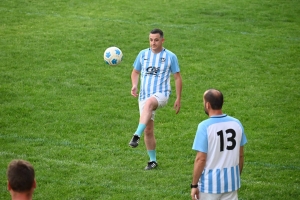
{"x":148,"y":131}
{"x":151,"y":104}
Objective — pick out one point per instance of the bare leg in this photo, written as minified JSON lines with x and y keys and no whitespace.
{"x":150,"y":105}
{"x":150,"y":142}
{"x":145,"y":118}
{"x":149,"y":137}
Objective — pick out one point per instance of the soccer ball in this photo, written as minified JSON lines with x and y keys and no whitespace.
{"x":113,"y":56}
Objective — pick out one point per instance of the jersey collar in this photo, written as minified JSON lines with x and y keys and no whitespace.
{"x":218,"y":116}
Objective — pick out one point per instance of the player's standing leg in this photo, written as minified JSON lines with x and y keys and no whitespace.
{"x":150,"y":142}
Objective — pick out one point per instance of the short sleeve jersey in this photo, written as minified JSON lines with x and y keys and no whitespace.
{"x":220,"y":137}
{"x":155,"y":69}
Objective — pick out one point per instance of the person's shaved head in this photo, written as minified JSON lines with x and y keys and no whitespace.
{"x":215,"y":98}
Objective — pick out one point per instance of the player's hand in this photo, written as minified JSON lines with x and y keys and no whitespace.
{"x":177,"y":106}
{"x":134,"y":91}
{"x":195,"y":194}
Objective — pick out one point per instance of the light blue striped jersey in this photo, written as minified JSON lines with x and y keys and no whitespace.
{"x":220,"y":137}
{"x":155,"y":69}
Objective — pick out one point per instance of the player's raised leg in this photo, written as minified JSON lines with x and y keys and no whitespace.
{"x":146,"y":109}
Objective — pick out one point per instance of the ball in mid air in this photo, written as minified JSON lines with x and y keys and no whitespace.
{"x":113,"y":56}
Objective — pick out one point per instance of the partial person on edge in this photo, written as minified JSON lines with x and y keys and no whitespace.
{"x":21,"y":181}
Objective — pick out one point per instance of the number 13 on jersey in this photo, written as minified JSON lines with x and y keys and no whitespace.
{"x":228,"y":135}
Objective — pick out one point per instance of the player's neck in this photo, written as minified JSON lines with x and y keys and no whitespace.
{"x":215,"y":112}
{"x":21,"y":196}
{"x":157,"y":50}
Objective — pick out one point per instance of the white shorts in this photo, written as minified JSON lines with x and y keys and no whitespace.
{"x":224,"y":196}
{"x":161,"y":99}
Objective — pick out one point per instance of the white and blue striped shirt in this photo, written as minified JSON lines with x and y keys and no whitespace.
{"x":220,"y":137}
{"x":155,"y":69}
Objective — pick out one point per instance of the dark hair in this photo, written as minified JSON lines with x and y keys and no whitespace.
{"x":154,"y":31}
{"x":215,"y":98}
{"x":20,"y":175}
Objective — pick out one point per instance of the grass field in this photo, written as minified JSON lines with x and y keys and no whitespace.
{"x":72,"y":116}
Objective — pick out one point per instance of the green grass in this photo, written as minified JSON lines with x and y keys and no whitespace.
{"x":72,"y":116}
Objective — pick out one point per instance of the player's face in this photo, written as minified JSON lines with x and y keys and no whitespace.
{"x":156,"y":42}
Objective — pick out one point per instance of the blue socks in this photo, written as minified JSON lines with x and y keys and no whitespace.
{"x":152,"y":155}
{"x":140,"y":129}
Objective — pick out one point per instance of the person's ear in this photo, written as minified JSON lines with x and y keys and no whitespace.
{"x":34,"y":184}
{"x":207,"y":106}
{"x":8,"y":186}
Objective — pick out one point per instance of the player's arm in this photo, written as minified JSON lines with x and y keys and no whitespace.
{"x":178,"y":85}
{"x":199,"y":164}
{"x":241,"y":159}
{"x":135,"y":81}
